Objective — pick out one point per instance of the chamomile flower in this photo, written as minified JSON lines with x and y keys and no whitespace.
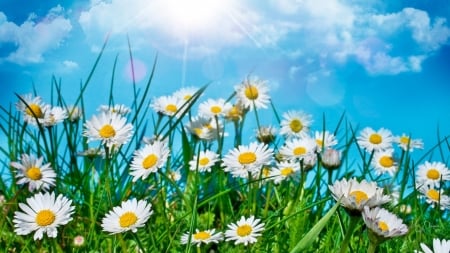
{"x":174,"y":175}
{"x":32,"y":107}
{"x":324,"y":140}
{"x":383,"y":223}
{"x":204,"y":236}
{"x":245,"y":231}
{"x":295,"y":124}
{"x":54,"y":115}
{"x":110,"y":128}
{"x":406,"y":143}
{"x":43,"y":213}
{"x":214,"y":108}
{"x":355,"y":195}
{"x":167,"y":105}
{"x":383,"y":162}
{"x":149,"y":159}
{"x":118,"y":108}
{"x":253,"y":93}
{"x":284,"y":170}
{"x":235,"y":113}
{"x":266,"y":134}
{"x":205,"y":128}
{"x":204,"y":161}
{"x":247,"y":159}
{"x":298,"y":148}
{"x":435,"y":197}
{"x":74,"y":113}
{"x":129,"y":216}
{"x":186,"y":93}
{"x":371,"y":140}
{"x":432,"y":173}
{"x":331,"y":159}
{"x":439,"y":246}
{"x":32,"y":171}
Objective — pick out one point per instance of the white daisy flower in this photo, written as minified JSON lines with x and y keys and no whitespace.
{"x":324,"y":140}
{"x":355,"y":195}
{"x":53,"y":116}
{"x":43,"y":213}
{"x":110,"y":128}
{"x":383,"y":223}
{"x":174,"y":175}
{"x":244,"y":231}
{"x":295,"y":124}
{"x":204,"y":236}
{"x":74,"y":113}
{"x":253,"y":93}
{"x":31,"y":171}
{"x":214,"y":108}
{"x":284,"y":170}
{"x":331,"y":159}
{"x":432,"y":173}
{"x":247,"y":159}
{"x":435,"y":197}
{"x":205,"y":128}
{"x":235,"y":113}
{"x":371,"y":140}
{"x":129,"y":216}
{"x":119,"y":109}
{"x":204,"y":161}
{"x":32,"y":108}
{"x":383,"y":162}
{"x":406,"y":143}
{"x":185,"y":93}
{"x":439,"y":246}
{"x":298,"y":148}
{"x":167,"y":105}
{"x":266,"y":134}
{"x":149,"y":159}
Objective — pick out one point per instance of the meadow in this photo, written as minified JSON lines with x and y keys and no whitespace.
{"x":185,"y":172}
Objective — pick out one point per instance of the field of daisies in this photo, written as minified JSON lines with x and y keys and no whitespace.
{"x":185,"y":172}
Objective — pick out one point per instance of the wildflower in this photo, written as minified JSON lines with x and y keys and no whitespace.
{"x":204,"y":236}
{"x":174,"y":175}
{"x":129,"y":216}
{"x":284,"y":170}
{"x":204,"y":129}
{"x":295,"y":124}
{"x":32,"y":107}
{"x":92,"y":153}
{"x":435,"y":197}
{"x":167,"y":105}
{"x":383,"y":162}
{"x":53,"y":116}
{"x":204,"y":161}
{"x":244,"y":231}
{"x":266,"y":134}
{"x":298,"y":148}
{"x":324,"y":140}
{"x":382,"y":224}
{"x":78,"y":241}
{"x":31,"y":171}
{"x":214,"y":108}
{"x":355,"y":195}
{"x":308,"y":161}
{"x":110,"y":128}
{"x":123,"y":110}
{"x":43,"y":213}
{"x":372,"y":140}
{"x":406,"y":143}
{"x":149,"y":159}
{"x":253,"y":93}
{"x":74,"y":113}
{"x":439,"y":246}
{"x":331,"y":159}
{"x":247,"y":159}
{"x":432,"y":173}
{"x":185,"y":93}
{"x":235,"y":113}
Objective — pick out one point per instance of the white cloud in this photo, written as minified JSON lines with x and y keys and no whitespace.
{"x":70,"y":64}
{"x":34,"y":39}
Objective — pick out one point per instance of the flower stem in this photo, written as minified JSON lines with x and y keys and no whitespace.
{"x":372,"y":247}
{"x":348,"y":235}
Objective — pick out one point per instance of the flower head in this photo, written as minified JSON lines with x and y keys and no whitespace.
{"x":129,"y":216}
{"x":185,"y":93}
{"x":74,"y":113}
{"x":149,"y":159}
{"x":31,"y":171}
{"x":406,"y":143}
{"x":284,"y":170}
{"x":244,"y":231}
{"x":298,"y":148}
{"x":295,"y":124}
{"x":168,"y":105}
{"x":204,"y":236}
{"x":205,"y":128}
{"x":432,"y":173}
{"x":383,"y":223}
{"x":53,"y":116}
{"x":324,"y":140}
{"x":331,"y":159}
{"x":266,"y":134}
{"x":203,"y":161}
{"x":379,"y":140}
{"x":435,"y":197}
{"x":118,"y":108}
{"x":214,"y":108}
{"x":43,"y":213}
{"x":439,"y":246}
{"x":32,"y":107}
{"x":253,"y":93}
{"x":383,"y":162}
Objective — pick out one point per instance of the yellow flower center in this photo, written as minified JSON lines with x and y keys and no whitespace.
{"x":216,"y":109}
{"x":433,"y":194}
{"x":299,"y":151}
{"x":375,"y":138}
{"x":203,"y":161}
{"x":45,"y":217}
{"x":34,"y":173}
{"x":234,"y":113}
{"x":433,"y":174}
{"x":244,"y":230}
{"x":404,"y":140}
{"x":251,"y":92}
{"x":202,"y":235}
{"x":265,"y":172}
{"x":36,"y":109}
{"x":286,"y":171}
{"x":187,"y":97}
{"x":383,"y":226}
{"x":127,"y":219}
{"x":247,"y":158}
{"x":149,"y":161}
{"x":359,"y":196}
{"x":386,"y":161}
{"x":296,"y":125}
{"x":171,"y":108}
{"x":319,"y":143}
{"x":107,"y":131}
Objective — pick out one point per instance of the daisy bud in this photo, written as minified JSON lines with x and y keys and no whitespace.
{"x":331,"y":159}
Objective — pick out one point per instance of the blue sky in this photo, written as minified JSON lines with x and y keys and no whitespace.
{"x":385,"y":63}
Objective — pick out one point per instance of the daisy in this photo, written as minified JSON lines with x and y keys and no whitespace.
{"x":214,"y":108}
{"x":383,"y":162}
{"x":185,"y":93}
{"x":129,"y":216}
{"x":284,"y":170}
{"x":244,"y":231}
{"x":110,"y":128}
{"x":204,"y":236}
{"x":174,"y":175}
{"x":295,"y":124}
{"x":355,"y":195}
{"x":32,"y":107}
{"x":53,"y":116}
{"x":74,"y":113}
{"x":43,"y":213}
{"x":235,"y":113}
{"x":253,"y":93}
{"x":432,"y":173}
{"x":205,"y":128}
{"x":383,"y":223}
{"x":406,"y":143}
{"x":167,"y":105}
{"x":266,"y":134}
{"x":372,"y":140}
{"x":119,"y":109}
{"x":324,"y":140}
{"x":435,"y":197}
{"x":439,"y":246}
{"x":331,"y":159}
{"x":204,"y":161}
{"x":31,"y":171}
{"x":78,"y":241}
{"x":149,"y":159}
{"x":247,"y":159}
{"x":298,"y":148}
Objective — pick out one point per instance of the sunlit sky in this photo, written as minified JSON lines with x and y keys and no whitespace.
{"x":385,"y":63}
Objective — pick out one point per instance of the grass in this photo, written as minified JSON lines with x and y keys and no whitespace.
{"x":299,"y":214}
